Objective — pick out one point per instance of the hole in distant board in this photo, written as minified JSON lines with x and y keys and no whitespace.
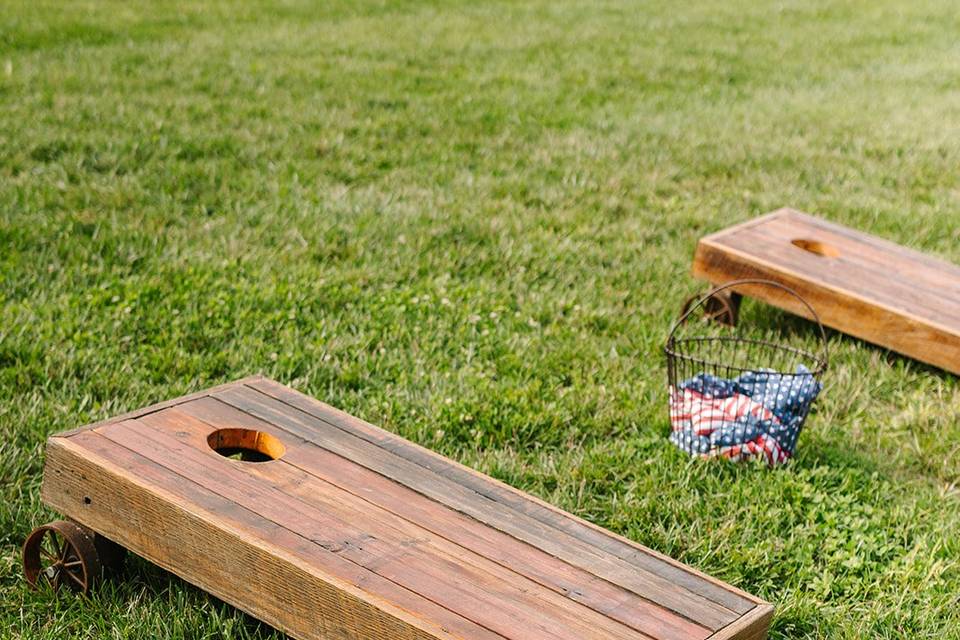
{"x":246,"y":445}
{"x":819,"y":248}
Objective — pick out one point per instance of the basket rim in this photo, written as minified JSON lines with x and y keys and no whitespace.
{"x":821,"y":362}
{"x":818,"y":362}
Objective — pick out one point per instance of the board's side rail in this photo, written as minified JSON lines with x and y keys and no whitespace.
{"x":136,"y":413}
{"x":202,"y":548}
{"x":904,"y":333}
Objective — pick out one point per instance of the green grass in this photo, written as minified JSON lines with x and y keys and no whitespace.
{"x":472,"y":223}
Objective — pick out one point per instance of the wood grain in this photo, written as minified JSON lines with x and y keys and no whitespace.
{"x":529,"y":561}
{"x":353,"y":532}
{"x":468,"y":501}
{"x":867,"y":287}
{"x":371,"y":537}
{"x":752,"y":626}
{"x":590,"y":533}
{"x":231,"y":552}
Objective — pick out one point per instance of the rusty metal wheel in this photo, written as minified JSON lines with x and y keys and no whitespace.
{"x":722,"y":307}
{"x":61,"y":554}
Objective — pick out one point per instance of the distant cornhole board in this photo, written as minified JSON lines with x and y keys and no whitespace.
{"x":859,"y":284}
{"x":327,"y":527}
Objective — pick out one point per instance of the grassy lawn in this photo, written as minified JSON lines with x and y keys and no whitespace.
{"x":472,"y":223}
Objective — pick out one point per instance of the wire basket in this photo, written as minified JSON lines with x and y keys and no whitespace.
{"x":739,"y":397}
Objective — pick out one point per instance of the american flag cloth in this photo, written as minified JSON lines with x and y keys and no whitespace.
{"x":757,"y":414}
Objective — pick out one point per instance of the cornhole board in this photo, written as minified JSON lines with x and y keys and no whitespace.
{"x":345,"y":531}
{"x":859,"y":284}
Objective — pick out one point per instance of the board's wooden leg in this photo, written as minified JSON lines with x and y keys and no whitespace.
{"x":735,"y":299}
{"x":62,"y":554}
{"x":112,"y":555}
{"x":722,"y":307}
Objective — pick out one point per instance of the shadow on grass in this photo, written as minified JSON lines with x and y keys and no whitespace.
{"x":765,"y":318}
{"x":153,"y":590}
{"x":819,"y":453}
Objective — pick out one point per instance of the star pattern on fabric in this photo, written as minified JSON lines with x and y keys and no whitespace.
{"x":757,"y":414}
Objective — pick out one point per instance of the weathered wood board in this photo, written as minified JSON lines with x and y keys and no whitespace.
{"x":862,"y":285}
{"x":345,"y":531}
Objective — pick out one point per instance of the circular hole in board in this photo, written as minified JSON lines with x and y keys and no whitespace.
{"x":817,"y":247}
{"x":247,"y":445}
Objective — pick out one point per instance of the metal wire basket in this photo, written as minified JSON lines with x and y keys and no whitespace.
{"x":734,"y":396}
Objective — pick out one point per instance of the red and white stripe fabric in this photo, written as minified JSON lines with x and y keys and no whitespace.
{"x":705,"y":414}
{"x":763,"y":445}
{"x":702,"y":414}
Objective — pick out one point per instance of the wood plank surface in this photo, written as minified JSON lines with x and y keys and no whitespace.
{"x":372,"y":536}
{"x":455,"y":578}
{"x":620,"y":547}
{"x":466,"y":500}
{"x":862,"y":285}
{"x":752,"y":626}
{"x":529,"y":561}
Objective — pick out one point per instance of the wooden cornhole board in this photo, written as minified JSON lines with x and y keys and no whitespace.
{"x":355,"y":533}
{"x":859,"y":284}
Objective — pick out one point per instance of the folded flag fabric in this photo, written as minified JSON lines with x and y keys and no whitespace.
{"x":757,"y":414}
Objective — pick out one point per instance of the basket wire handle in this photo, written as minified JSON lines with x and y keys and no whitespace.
{"x":758,"y":281}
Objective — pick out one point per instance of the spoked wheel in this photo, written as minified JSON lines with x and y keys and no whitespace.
{"x":61,"y":554}
{"x":722,"y":307}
